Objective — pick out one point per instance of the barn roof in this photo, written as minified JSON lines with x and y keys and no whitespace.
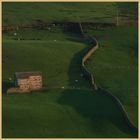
{"x":23,"y":75}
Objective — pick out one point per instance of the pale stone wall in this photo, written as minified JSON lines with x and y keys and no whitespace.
{"x":91,"y":51}
{"x":27,"y":84}
{"x":16,"y":90}
{"x":35,"y":82}
{"x":89,"y":75}
{"x":32,"y":83}
{"x":23,"y":84}
{"x":12,"y":90}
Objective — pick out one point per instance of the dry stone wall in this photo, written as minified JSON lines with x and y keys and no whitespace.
{"x":88,"y":75}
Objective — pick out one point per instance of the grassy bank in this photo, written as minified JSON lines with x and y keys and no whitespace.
{"x":62,"y":113}
{"x":115,"y":65}
{"x":58,"y":57}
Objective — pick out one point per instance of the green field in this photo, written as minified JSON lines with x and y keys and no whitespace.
{"x":55,"y":75}
{"x":104,"y":12}
{"x":36,"y":55}
{"x":65,"y":108}
{"x":115,"y":65}
{"x":60,"y":12}
{"x":62,"y":113}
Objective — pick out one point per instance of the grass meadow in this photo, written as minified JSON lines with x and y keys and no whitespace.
{"x":115,"y":65}
{"x":66,"y":108}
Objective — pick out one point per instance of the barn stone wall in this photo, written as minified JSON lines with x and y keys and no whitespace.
{"x":30,"y":83}
{"x":35,"y":82}
{"x":23,"y":84}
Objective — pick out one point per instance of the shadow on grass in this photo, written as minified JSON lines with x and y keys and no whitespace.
{"x":6,"y":85}
{"x":100,"y":109}
{"x":75,"y":72}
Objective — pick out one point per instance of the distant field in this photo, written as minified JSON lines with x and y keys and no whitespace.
{"x":105,"y":12}
{"x":57,"y":12}
{"x":115,"y":65}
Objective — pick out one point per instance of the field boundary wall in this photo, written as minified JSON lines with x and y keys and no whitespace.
{"x":88,"y":75}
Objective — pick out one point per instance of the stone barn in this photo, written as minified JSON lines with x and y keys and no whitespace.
{"x":27,"y":81}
